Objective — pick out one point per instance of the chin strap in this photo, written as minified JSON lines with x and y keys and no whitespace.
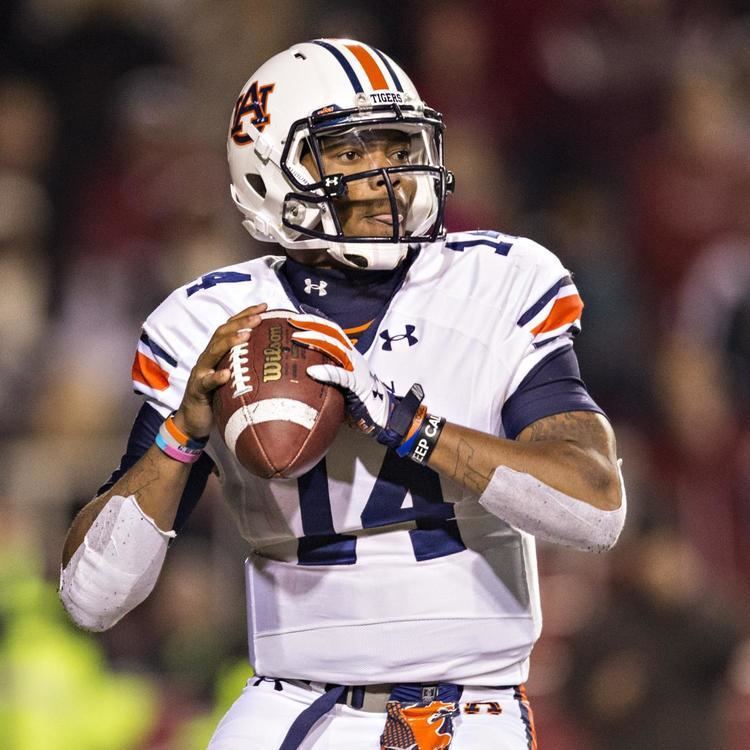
{"x":369,"y":256}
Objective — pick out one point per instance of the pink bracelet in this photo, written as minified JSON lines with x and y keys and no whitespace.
{"x":175,"y":444}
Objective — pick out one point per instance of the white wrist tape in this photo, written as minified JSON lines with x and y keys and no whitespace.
{"x":532,"y":506}
{"x":116,"y":566}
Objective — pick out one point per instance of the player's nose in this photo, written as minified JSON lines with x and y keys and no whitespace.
{"x":379,"y":159}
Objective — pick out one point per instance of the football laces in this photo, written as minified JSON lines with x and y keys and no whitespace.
{"x":240,"y":372}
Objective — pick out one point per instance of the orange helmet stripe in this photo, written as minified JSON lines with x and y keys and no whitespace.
{"x":369,"y":65}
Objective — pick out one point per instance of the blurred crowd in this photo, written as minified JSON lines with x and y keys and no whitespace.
{"x":616,"y":132}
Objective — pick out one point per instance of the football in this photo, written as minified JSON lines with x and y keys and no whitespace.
{"x":272,"y":415}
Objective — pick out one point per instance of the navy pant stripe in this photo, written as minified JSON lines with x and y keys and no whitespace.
{"x":524,"y":709}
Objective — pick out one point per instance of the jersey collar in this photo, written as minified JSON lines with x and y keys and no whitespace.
{"x":356,"y":300}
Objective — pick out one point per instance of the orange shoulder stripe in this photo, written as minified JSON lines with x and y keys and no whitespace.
{"x":149,"y":373}
{"x":565,"y":310}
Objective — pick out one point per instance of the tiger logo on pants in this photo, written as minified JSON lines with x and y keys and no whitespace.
{"x":418,"y":726}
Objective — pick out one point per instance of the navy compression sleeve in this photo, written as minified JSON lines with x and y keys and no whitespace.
{"x":552,"y":387}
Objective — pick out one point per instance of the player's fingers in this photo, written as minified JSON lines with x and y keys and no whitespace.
{"x":245,"y":320}
{"x":212,"y":379}
{"x":219,"y":345}
{"x":301,"y":320}
{"x":203,"y":381}
{"x":249,"y":312}
{"x":327,"y":344}
{"x":234,"y":331}
{"x":316,"y":323}
{"x":332,"y":375}
{"x":321,"y":325}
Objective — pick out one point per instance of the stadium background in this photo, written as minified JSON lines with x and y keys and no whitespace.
{"x":614,"y":131}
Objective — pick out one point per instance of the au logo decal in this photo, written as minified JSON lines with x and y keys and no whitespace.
{"x":253,"y":104}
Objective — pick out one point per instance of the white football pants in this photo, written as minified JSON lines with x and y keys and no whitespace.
{"x":260,"y":718}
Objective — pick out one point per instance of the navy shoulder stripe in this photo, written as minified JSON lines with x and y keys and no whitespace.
{"x":157,"y":350}
{"x":501,"y":248}
{"x":543,"y":300}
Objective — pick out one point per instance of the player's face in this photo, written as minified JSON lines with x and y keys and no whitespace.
{"x":365,"y":210}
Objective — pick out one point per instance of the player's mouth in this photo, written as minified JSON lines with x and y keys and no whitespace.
{"x":381,"y":213}
{"x":385,"y":219}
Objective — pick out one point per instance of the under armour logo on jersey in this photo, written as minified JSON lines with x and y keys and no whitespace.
{"x":388,"y":340}
{"x":319,"y":288}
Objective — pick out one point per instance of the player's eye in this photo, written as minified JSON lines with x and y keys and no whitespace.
{"x":401,"y":154}
{"x":346,"y":155}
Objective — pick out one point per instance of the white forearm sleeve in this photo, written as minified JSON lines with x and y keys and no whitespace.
{"x":532,"y":506}
{"x":116,"y":566}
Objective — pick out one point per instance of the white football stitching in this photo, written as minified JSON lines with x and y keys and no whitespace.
{"x":239,"y":371}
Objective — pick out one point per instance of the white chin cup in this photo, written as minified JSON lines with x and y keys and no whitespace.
{"x":371,"y":256}
{"x":367,"y":256}
{"x":424,"y":207}
{"x":116,"y":566}
{"x":538,"y":509}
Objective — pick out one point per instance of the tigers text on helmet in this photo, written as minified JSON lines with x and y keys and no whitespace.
{"x":330,"y":147}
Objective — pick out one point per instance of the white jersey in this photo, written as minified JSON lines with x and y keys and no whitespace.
{"x":370,"y":568}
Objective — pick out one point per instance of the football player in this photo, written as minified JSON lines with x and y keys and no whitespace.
{"x":392,"y":590}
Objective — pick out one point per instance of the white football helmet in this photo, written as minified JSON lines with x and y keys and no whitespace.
{"x":299,"y":101}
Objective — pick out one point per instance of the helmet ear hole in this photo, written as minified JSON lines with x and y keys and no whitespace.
{"x":255,"y":181}
{"x":357,"y":260}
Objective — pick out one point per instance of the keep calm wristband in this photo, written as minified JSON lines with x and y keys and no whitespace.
{"x":172,"y":441}
{"x":419,"y":447}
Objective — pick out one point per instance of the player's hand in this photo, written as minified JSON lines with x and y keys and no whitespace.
{"x":373,"y":407}
{"x":195,"y":417}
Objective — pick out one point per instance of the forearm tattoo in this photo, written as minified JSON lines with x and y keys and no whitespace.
{"x":466,"y":472}
{"x":143,"y":474}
